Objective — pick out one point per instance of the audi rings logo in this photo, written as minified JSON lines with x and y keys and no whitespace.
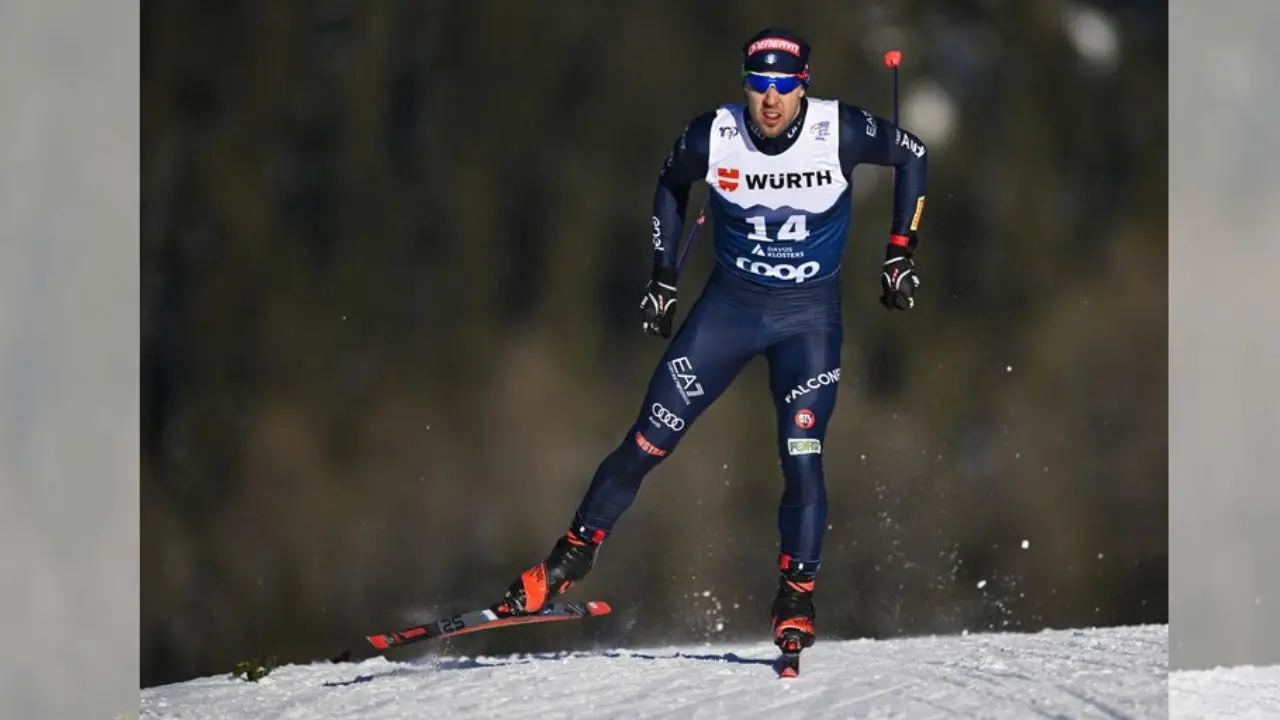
{"x":798,"y":273}
{"x":664,"y":416}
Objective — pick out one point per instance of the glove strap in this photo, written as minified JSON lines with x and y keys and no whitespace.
{"x":902,"y":245}
{"x":665,"y":276}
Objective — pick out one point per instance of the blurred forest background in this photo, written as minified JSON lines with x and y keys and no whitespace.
{"x":391,"y":259}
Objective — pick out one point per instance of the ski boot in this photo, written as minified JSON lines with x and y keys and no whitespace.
{"x":793,"y":614}
{"x":572,"y":557}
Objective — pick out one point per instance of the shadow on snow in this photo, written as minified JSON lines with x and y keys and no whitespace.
{"x":472,"y":664}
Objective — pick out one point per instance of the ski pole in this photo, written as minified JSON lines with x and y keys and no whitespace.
{"x":693,"y":233}
{"x":893,"y":58}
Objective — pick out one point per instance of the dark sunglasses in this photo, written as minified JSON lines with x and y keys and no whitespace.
{"x":761,"y":83}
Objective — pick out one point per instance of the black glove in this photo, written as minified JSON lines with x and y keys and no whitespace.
{"x":658,"y":306}
{"x":898,"y":280}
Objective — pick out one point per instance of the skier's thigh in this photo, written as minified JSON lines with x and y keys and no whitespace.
{"x":704,"y":357}
{"x":804,"y":376}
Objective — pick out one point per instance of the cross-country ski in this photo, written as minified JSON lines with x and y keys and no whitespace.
{"x":486,"y":619}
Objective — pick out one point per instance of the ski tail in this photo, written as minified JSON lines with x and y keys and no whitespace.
{"x":791,"y":641}
{"x":787,"y":665}
{"x":486,"y":619}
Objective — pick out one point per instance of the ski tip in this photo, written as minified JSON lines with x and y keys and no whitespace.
{"x":788,"y":673}
{"x":379,"y":641}
{"x":599,"y":607}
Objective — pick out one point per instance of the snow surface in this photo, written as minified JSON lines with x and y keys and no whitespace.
{"x":1093,"y":673}
{"x":1235,"y":692}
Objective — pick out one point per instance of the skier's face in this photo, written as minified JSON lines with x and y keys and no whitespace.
{"x":772,"y":110}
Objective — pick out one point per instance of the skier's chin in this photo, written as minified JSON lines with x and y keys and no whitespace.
{"x":772,"y":125}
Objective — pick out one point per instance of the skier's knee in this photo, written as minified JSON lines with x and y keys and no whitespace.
{"x":649,"y":448}
{"x":800,"y":451}
{"x":804,"y":489}
{"x":657,"y":431}
{"x":641,"y":452}
{"x":802,"y":471}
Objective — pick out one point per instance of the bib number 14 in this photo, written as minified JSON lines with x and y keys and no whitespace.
{"x":792,"y":230}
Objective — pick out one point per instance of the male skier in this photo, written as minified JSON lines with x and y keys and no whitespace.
{"x":778,"y":168}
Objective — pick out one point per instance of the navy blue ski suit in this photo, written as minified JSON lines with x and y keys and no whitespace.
{"x":775,"y":291}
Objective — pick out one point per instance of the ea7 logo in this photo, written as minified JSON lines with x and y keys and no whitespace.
{"x":910,"y":143}
{"x":727,"y":178}
{"x":871,"y":123}
{"x":686,"y":382}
